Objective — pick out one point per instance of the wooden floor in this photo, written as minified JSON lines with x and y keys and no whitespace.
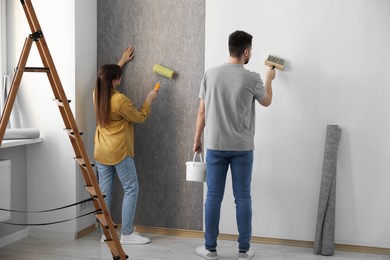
{"x":161,"y":247}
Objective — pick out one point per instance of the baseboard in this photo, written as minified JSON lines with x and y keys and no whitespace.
{"x":200,"y":234}
{"x":62,"y":234}
{"x":55,"y":234}
{"x":263,"y":240}
{"x":85,"y":231}
{"x":16,"y":236}
{"x":363,"y":249}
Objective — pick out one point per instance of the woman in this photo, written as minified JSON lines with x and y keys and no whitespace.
{"x":114,"y":141}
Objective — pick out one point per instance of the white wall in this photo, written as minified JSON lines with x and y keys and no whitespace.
{"x":52,"y":172}
{"x":85,"y":67}
{"x":337,"y":58}
{"x":3,"y":53}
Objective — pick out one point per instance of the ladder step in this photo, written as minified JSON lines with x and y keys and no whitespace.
{"x":82,"y":163}
{"x":59,"y":101}
{"x":36,"y":69}
{"x":91,"y":190}
{"x":71,"y":132}
{"x":102,"y":219}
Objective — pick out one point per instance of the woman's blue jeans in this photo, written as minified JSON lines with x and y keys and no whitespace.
{"x":217,"y":164}
{"x":128,"y":177}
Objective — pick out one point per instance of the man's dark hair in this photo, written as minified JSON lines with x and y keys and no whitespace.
{"x":238,"y":42}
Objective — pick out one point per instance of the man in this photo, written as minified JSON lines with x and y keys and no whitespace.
{"x":227,"y":115}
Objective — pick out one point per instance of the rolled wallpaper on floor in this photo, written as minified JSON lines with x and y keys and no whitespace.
{"x":325,"y":227}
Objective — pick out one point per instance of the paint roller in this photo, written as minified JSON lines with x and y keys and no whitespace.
{"x":162,"y":71}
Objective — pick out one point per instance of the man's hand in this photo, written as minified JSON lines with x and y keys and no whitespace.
{"x":271,"y":73}
{"x":197,"y":148}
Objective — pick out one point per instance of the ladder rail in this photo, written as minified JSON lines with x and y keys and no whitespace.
{"x":31,"y":16}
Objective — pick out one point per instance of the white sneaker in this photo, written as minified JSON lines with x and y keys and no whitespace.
{"x":246,"y":256}
{"x":134,"y":239}
{"x":102,"y":239}
{"x":203,"y":252}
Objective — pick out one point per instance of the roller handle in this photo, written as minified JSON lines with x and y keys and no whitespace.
{"x":157,"y":86}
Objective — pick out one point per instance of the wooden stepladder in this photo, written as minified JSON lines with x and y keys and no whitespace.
{"x":81,"y":156}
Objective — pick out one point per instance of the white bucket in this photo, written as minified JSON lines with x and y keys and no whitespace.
{"x":196,"y":171}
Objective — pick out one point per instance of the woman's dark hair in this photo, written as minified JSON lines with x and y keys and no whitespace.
{"x":103,"y":91}
{"x":238,"y":42}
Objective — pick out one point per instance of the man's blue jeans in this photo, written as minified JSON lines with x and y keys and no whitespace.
{"x":217,"y":164}
{"x":128,"y":177}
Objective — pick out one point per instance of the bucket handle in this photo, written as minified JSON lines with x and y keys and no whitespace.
{"x":200,"y":155}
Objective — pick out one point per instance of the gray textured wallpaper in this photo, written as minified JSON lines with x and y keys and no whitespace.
{"x":170,"y":33}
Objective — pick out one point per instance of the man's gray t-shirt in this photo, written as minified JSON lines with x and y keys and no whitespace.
{"x":230,"y":92}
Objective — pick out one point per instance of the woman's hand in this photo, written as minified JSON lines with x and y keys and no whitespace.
{"x":127,"y":55}
{"x":151,"y":96}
